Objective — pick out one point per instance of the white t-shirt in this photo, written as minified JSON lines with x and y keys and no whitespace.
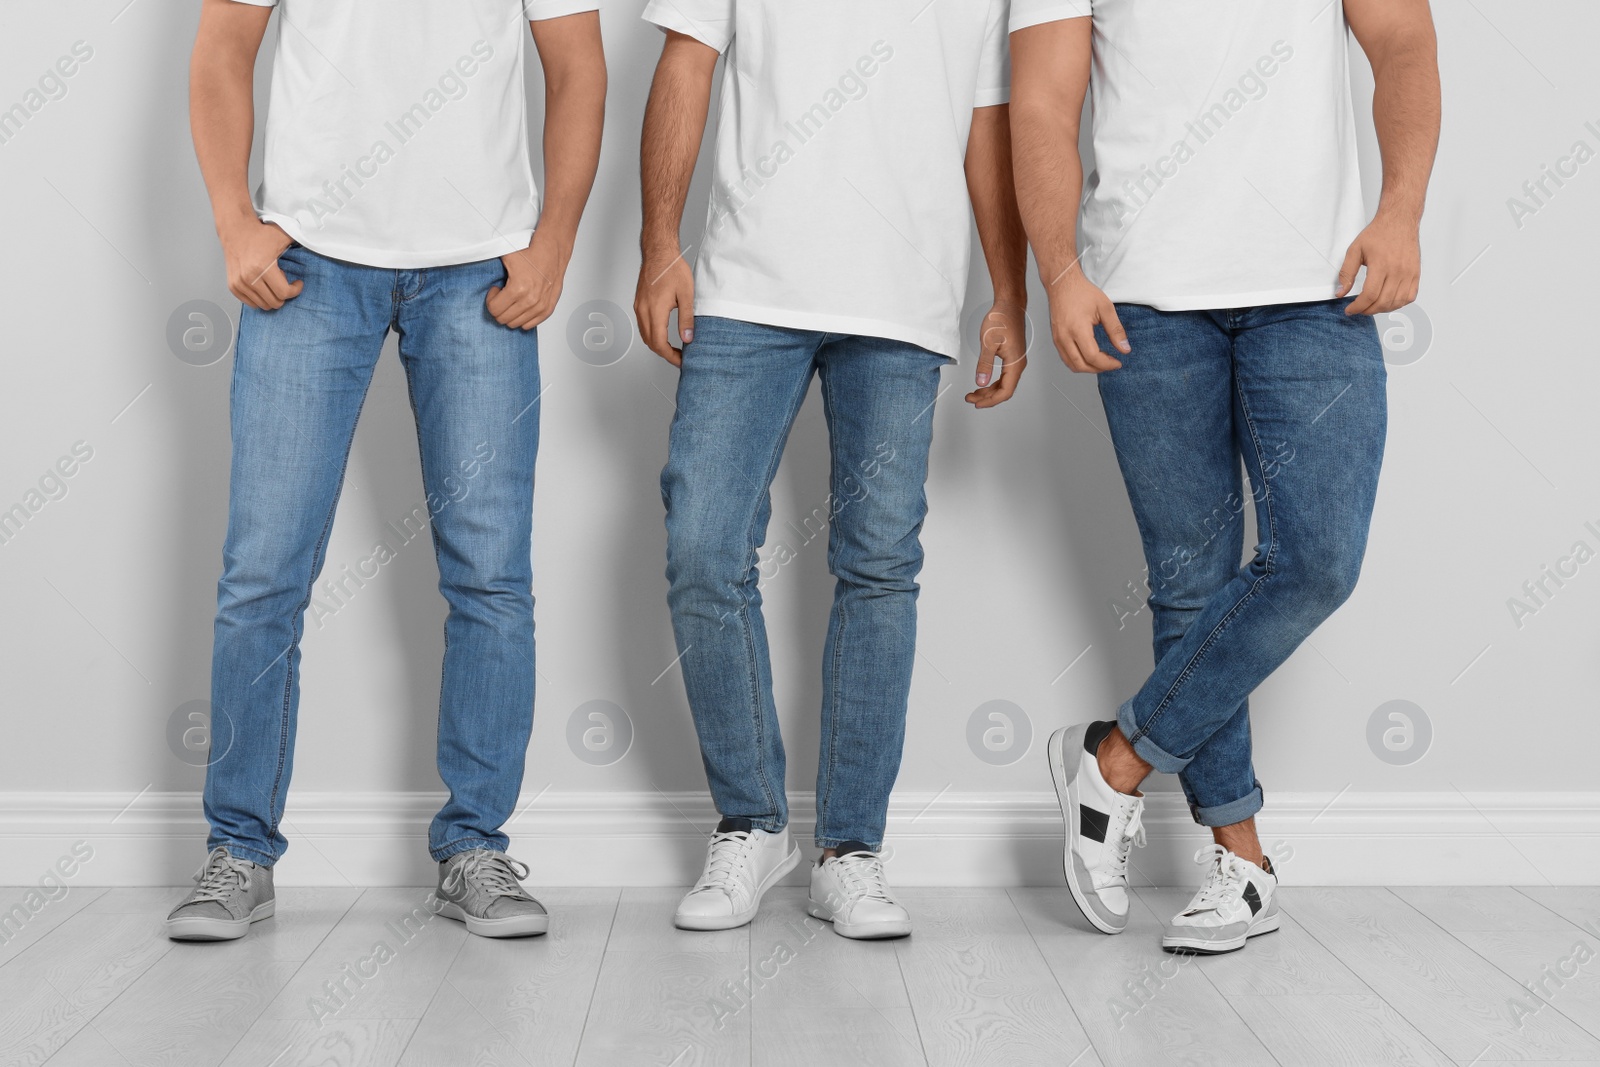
{"x":396,"y":132}
{"x":839,"y":200}
{"x":1225,"y":150}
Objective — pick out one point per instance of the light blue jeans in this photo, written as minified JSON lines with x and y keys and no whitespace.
{"x":300,"y":377}
{"x":1297,"y":392}
{"x":739,"y":392}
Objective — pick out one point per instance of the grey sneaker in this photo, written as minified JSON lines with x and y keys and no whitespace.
{"x":482,"y":888}
{"x":229,"y":895}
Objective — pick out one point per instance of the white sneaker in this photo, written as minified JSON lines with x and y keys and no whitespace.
{"x":850,"y":891}
{"x":741,"y":865}
{"x":1103,"y":825}
{"x":1237,"y":902}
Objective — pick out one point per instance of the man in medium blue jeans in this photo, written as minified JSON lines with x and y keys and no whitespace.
{"x":854,"y":138}
{"x":741,"y":386}
{"x":363,"y":227}
{"x":1223,"y":231}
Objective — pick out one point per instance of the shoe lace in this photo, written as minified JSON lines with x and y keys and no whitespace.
{"x":220,"y":876}
{"x":1225,"y":878}
{"x":724,"y":860}
{"x":1124,"y":836}
{"x":494,"y":873}
{"x":862,"y":876}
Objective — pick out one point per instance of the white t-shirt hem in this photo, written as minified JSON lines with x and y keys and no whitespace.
{"x":1223,"y":301}
{"x":1058,"y":13}
{"x":670,"y":17}
{"x":544,"y":10}
{"x":939,"y":343}
{"x":402,"y":260}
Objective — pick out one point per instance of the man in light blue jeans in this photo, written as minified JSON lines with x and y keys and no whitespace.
{"x":300,"y":376}
{"x":397,"y":197}
{"x":1223,"y":233}
{"x":857,"y":141}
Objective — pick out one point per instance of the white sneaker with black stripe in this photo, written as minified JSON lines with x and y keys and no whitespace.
{"x":1237,"y":901}
{"x":1103,"y":825}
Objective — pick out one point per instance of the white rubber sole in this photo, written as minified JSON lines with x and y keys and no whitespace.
{"x":1204,"y":947}
{"x":512,"y":926}
{"x":877,"y":931}
{"x":199,"y":928}
{"x":740,"y":918}
{"x":1063,"y":779}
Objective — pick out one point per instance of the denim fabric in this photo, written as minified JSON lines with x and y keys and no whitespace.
{"x":1297,"y":392}
{"x":300,"y":377}
{"x":740,"y":388}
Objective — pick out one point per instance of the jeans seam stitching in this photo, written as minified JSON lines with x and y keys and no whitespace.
{"x":1250,"y":594}
{"x":298,"y":618}
{"x":826,"y":799}
{"x":751,"y":562}
{"x":438,"y":562}
{"x":433,"y":531}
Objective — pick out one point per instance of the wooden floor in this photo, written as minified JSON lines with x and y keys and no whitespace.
{"x":1012,"y":978}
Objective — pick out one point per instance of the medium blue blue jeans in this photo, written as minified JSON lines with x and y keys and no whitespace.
{"x":739,"y":392}
{"x":300,"y":377}
{"x":1295,"y":391}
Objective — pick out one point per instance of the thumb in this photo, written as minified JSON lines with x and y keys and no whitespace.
{"x":686,"y":320}
{"x":1349,"y":269}
{"x":985,"y":364}
{"x":991,"y":339}
{"x":1113,"y":328}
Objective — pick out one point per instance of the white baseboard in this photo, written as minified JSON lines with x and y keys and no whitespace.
{"x":945,"y":839}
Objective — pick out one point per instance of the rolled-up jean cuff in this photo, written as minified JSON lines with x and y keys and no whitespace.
{"x":1148,"y":750}
{"x":1230,"y":813}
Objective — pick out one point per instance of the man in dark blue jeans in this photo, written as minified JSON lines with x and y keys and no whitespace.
{"x":397,"y":197}
{"x":1223,"y":233}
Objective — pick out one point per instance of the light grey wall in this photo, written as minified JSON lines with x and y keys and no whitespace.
{"x":108,"y":591}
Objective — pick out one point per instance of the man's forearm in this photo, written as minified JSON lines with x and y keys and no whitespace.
{"x":574,"y":119}
{"x":1049,"y":179}
{"x":1406,"y":112}
{"x":222,"y":108}
{"x":674,"y":123}
{"x":1402,"y":47}
{"x":574,"y":64}
{"x":992,"y":186}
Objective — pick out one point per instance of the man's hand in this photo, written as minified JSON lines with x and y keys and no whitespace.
{"x":251,"y":250}
{"x":674,"y":124}
{"x":1077,"y":306}
{"x":665,"y":284}
{"x":1392,"y":253}
{"x":1400,"y":43}
{"x":533,"y":285}
{"x":1004,"y":333}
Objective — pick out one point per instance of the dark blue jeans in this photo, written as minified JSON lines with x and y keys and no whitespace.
{"x":1297,"y":392}
{"x":299,"y":379}
{"x":739,"y":392}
